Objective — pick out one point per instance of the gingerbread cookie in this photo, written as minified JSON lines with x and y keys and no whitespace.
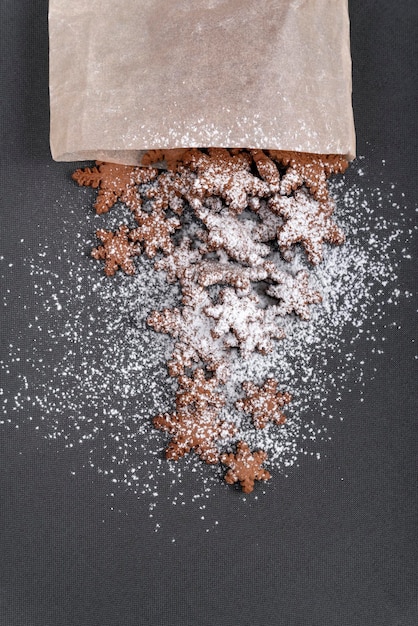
{"x":154,"y":230}
{"x":294,"y":293}
{"x":113,"y":181}
{"x":311,"y":170}
{"x":117,"y":251}
{"x":245,"y":467}
{"x":308,"y":222}
{"x":227,"y":176}
{"x":264,"y":403}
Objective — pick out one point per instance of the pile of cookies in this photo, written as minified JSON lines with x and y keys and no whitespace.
{"x":224,"y":225}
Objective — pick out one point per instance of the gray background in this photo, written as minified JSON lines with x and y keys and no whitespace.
{"x":315,"y":553}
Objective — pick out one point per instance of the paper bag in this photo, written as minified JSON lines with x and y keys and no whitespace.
{"x":127,"y":76}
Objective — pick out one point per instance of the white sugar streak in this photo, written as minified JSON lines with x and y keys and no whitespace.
{"x":96,"y":374}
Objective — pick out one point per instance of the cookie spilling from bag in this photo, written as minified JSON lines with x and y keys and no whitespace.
{"x":224,"y":225}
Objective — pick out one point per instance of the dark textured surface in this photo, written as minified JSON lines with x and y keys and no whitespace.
{"x":319,"y":551}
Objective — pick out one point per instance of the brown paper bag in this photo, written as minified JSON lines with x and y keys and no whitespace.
{"x":131,"y":75}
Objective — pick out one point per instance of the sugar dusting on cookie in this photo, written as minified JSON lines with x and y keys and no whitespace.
{"x":97,"y":374}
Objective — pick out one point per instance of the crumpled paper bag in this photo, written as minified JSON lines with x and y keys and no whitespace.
{"x":127,"y":76}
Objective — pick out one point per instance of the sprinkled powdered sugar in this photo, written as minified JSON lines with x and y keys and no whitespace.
{"x":96,"y":373}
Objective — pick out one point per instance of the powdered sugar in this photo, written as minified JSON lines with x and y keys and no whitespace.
{"x":96,"y":373}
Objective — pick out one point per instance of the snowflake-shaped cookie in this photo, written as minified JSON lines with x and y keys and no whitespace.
{"x":198,"y":392}
{"x":311,"y":170}
{"x":117,"y":251}
{"x":179,"y":261}
{"x":264,"y":403}
{"x":154,"y":230}
{"x":308,"y":222}
{"x":267,"y":169}
{"x":294,"y":293}
{"x":234,"y":313}
{"x":172,"y":158}
{"x":252,"y":327}
{"x":228,"y":176}
{"x":234,"y":236}
{"x":169,"y":190}
{"x":113,"y":181}
{"x":269,"y":225}
{"x":194,"y":343}
{"x":199,"y":431}
{"x":260,"y":335}
{"x":245,"y":467}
